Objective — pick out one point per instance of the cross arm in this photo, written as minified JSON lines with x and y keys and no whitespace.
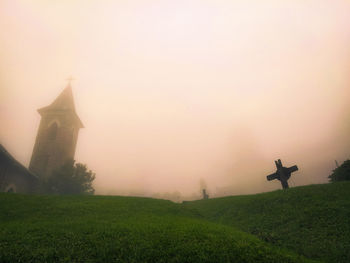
{"x":293,"y":169}
{"x":272,"y":177}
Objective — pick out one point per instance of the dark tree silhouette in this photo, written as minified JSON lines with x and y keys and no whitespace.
{"x":341,"y":173}
{"x":71,"y":178}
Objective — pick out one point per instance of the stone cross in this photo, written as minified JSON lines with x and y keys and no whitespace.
{"x":282,"y":173}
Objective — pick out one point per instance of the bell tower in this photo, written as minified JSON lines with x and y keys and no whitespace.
{"x":57,"y":135}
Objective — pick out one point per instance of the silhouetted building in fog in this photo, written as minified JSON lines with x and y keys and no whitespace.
{"x":55,"y":144}
{"x":57,"y":136}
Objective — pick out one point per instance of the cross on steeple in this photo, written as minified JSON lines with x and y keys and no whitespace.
{"x":69,"y":80}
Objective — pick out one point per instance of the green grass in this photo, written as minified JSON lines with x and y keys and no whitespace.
{"x":297,"y":225}
{"x":313,"y":220}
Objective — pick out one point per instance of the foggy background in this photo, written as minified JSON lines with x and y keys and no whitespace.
{"x":179,"y":95}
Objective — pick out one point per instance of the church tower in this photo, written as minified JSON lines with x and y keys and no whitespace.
{"x":57,"y":136}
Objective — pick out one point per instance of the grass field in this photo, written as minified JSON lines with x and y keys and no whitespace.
{"x":313,"y":221}
{"x":303,"y":224}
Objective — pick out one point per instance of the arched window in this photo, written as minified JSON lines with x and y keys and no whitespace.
{"x":52,"y":132}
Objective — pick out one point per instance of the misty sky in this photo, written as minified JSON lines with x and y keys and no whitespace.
{"x":174,"y":93}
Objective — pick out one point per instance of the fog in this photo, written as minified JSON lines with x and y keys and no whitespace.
{"x":180,"y":95}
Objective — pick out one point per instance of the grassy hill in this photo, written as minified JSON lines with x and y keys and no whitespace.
{"x":281,"y":226}
{"x":313,"y":220}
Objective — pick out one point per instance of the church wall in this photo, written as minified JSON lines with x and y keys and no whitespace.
{"x":15,"y":177}
{"x":49,"y":154}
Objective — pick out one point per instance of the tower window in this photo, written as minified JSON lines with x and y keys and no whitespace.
{"x":52,"y":132}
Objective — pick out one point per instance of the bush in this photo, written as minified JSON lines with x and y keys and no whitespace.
{"x":341,"y":173}
{"x":71,"y":178}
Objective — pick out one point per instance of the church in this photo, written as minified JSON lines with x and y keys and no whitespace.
{"x":55,"y":144}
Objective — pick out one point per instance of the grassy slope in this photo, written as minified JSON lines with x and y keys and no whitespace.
{"x":120,"y":229}
{"x":312,"y":220}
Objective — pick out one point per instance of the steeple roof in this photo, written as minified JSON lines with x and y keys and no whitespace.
{"x":64,"y":102}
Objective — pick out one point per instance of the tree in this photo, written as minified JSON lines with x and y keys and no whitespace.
{"x":341,"y":173}
{"x":71,"y":178}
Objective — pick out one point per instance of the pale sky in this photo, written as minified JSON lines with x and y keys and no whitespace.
{"x":172,"y":93}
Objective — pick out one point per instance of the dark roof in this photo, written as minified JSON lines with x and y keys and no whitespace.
{"x":7,"y":157}
{"x":64,"y":102}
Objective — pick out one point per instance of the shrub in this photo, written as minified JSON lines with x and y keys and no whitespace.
{"x":71,"y":178}
{"x":341,"y":173}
